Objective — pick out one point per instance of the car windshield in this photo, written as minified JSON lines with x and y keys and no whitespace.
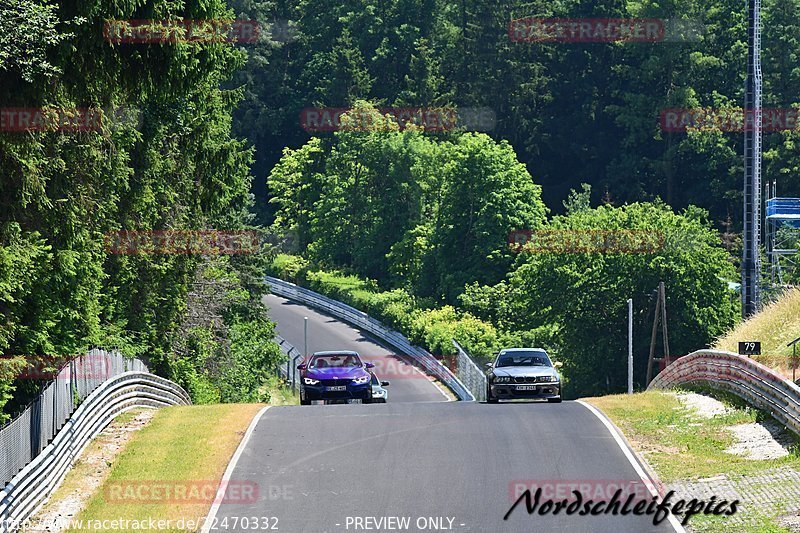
{"x":375,"y":380}
{"x":335,"y":361}
{"x":523,"y":359}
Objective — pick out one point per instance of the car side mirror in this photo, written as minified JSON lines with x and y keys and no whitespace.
{"x":369,"y":365}
{"x":384,"y":383}
{"x":489,"y":365}
{"x":302,"y":366}
{"x":558,"y":364}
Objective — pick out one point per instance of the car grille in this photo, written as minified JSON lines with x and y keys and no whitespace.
{"x":531,"y":379}
{"x":334,"y":382}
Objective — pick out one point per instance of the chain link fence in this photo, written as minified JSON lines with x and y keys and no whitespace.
{"x":470,"y":373}
{"x":361,"y":320}
{"x":24,"y":438}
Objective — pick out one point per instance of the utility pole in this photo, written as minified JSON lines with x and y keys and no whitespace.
{"x":751,"y":260}
{"x":630,"y":346}
{"x":659,"y":314}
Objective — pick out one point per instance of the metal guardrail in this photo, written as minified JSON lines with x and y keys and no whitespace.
{"x":29,"y":488}
{"x":363,"y":321}
{"x":755,"y":383}
{"x":470,"y":373}
{"x":22,"y":439}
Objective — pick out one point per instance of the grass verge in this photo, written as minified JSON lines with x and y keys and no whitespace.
{"x":683,"y":447}
{"x":775,"y":325}
{"x":187,"y":446}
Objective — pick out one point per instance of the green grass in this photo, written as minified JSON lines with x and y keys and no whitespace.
{"x":279,"y":393}
{"x":181,"y":445}
{"x":680,"y":445}
{"x":775,"y":326}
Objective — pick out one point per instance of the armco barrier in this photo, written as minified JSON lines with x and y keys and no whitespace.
{"x":29,"y":488}
{"x":755,"y":383}
{"x":470,"y":373}
{"x":363,"y":321}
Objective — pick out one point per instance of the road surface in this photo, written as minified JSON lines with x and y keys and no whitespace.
{"x":416,"y":464}
{"x":407,"y":383}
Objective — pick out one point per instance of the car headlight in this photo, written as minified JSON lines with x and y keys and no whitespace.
{"x":310,"y":381}
{"x":501,"y":379}
{"x":361,"y":380}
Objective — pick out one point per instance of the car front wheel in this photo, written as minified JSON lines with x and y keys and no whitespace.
{"x":554,"y":400}
{"x":489,"y":397}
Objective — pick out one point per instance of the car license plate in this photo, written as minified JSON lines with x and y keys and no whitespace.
{"x":336,"y":388}
{"x":526,"y":387}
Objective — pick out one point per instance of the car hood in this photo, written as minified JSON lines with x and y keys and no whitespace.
{"x":513,"y":371}
{"x":336,"y":373}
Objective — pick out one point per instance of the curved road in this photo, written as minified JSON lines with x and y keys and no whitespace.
{"x":407,"y":383}
{"x":419,"y":465}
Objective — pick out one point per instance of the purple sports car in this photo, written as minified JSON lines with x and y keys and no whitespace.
{"x":335,"y":376}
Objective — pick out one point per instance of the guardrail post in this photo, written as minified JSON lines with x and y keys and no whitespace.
{"x":294,"y":369}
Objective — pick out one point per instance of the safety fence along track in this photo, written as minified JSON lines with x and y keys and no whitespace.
{"x":755,"y":383}
{"x":470,"y":373}
{"x":365,"y":322}
{"x":293,"y":358}
{"x":38,"y":447}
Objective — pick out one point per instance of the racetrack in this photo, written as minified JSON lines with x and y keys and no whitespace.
{"x":407,"y":383}
{"x":443,"y":466}
{"x":316,"y":466}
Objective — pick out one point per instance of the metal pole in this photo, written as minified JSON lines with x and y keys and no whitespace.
{"x":305,"y":336}
{"x":630,"y":346}
{"x":794,"y":359}
{"x":294,"y":370}
{"x":751,"y":262}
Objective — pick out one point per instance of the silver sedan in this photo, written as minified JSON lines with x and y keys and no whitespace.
{"x":523,"y":373}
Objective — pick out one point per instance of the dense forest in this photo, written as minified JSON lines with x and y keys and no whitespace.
{"x":212,"y":137}
{"x":575,"y":112}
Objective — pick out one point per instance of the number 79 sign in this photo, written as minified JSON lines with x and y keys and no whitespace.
{"x":750,"y":348}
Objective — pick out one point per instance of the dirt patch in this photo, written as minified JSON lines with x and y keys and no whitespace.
{"x":88,"y":472}
{"x":702,"y":405}
{"x":760,"y":441}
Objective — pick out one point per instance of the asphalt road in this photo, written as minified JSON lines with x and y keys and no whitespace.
{"x":440,"y":466}
{"x":407,"y":383}
{"x":318,"y":468}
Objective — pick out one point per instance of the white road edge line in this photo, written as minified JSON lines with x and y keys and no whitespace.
{"x":212,"y":513}
{"x":632,"y":460}
{"x":433,"y":382}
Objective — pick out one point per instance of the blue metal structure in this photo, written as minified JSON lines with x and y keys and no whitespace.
{"x":783,"y":229}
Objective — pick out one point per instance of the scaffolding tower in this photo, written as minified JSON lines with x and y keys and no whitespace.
{"x":783,"y":231}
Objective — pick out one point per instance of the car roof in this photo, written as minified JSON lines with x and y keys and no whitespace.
{"x":335,"y":352}
{"x":513,"y":350}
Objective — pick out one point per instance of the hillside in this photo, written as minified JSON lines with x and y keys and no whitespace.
{"x":775,"y":326}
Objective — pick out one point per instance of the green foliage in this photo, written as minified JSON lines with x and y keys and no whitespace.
{"x":584,"y":294}
{"x":177,"y":167}
{"x":422,"y":213}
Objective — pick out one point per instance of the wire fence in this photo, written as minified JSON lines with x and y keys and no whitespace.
{"x":24,"y":438}
{"x":293,"y":357}
{"x":361,"y":320}
{"x":470,"y":373}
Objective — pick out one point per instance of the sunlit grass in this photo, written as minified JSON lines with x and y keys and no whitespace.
{"x":775,"y":326}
